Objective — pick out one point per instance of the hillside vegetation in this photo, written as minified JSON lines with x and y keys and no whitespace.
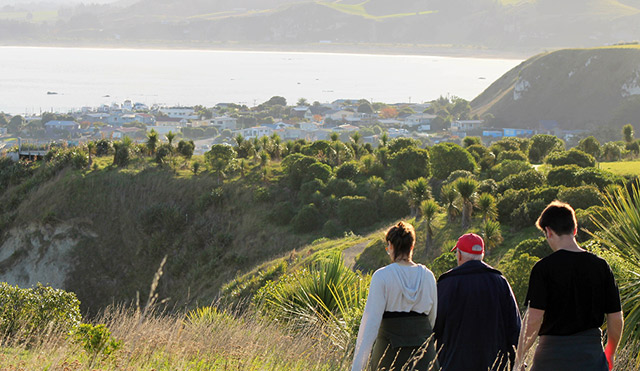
{"x":266,"y":225}
{"x":588,"y":89}
{"x":515,"y":26}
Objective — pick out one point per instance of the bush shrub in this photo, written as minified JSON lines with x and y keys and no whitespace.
{"x":528,"y":180}
{"x":318,"y":171}
{"x":517,"y":272}
{"x":96,"y":340}
{"x":563,"y":176}
{"x":356,"y":211}
{"x":510,"y":200}
{"x":510,"y":167}
{"x":537,"y":247}
{"x":282,"y":213}
{"x":581,"y":197}
{"x":308,"y":219}
{"x":26,"y":312}
{"x":512,"y":156}
{"x":394,"y":205}
{"x":488,"y":186}
{"x":162,"y":218}
{"x":571,"y":157}
{"x":341,"y":187}
{"x":348,"y":170}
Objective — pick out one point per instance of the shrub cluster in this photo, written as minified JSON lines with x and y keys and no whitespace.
{"x":24,"y":313}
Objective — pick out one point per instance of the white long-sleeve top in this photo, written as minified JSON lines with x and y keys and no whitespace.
{"x":394,"y":288}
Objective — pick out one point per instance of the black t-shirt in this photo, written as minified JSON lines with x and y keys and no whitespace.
{"x":575,"y":289}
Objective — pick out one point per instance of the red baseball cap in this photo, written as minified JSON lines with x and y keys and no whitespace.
{"x":470,"y":243}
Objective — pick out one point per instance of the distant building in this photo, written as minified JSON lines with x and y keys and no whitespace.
{"x":180,"y":112}
{"x":3,"y":131}
{"x":517,"y":132}
{"x":56,"y":125}
{"x":224,"y":122}
{"x":256,"y":132}
{"x":419,"y":119}
{"x":492,"y":133}
{"x":461,"y":125}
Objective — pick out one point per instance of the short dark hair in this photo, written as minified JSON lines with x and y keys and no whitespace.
{"x":402,"y":237}
{"x":559,"y":216}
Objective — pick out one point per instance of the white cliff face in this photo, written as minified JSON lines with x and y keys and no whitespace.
{"x":521,"y":87}
{"x":38,"y":253}
{"x":632,"y":86}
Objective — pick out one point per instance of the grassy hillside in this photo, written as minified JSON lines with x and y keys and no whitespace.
{"x":578,"y":88}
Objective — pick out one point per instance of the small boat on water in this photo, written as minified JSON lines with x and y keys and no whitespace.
{"x":52,"y":93}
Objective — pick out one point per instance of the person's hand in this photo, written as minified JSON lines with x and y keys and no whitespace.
{"x":609,"y":353}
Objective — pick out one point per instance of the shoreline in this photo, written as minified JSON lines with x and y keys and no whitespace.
{"x":453,"y":51}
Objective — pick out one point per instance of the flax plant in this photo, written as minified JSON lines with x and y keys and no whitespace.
{"x":619,"y":230}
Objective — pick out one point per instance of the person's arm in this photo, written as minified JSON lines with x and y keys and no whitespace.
{"x":615,"y":324}
{"x":370,"y":323}
{"x":532,"y":322}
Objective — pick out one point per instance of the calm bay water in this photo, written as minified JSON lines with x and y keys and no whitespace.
{"x":91,"y":77}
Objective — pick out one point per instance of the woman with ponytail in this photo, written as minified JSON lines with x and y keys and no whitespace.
{"x":396,"y":326}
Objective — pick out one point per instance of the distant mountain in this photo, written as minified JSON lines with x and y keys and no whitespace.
{"x":523,"y":26}
{"x":578,"y":88}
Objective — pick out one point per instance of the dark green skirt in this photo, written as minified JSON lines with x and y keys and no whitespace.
{"x":578,"y":352}
{"x":404,"y":343}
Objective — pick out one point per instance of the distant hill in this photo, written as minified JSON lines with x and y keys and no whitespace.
{"x":522,"y":26}
{"x":578,"y":88}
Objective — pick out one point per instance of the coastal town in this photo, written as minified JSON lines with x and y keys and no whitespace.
{"x":443,"y":120}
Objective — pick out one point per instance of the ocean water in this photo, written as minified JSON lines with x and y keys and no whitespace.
{"x":92,"y":77}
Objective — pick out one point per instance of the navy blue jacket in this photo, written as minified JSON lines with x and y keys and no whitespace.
{"x":478,"y":320}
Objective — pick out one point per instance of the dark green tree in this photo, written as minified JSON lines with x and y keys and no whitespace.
{"x":410,"y":163}
{"x":449,"y":157}
{"x":220,"y":157}
{"x":542,"y":145}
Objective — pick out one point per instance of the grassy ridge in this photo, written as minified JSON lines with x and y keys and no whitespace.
{"x":622,"y":168}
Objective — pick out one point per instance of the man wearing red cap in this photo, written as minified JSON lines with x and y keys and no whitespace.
{"x":478,"y":321}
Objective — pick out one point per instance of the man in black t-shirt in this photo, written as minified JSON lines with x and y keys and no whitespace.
{"x":570,"y":293}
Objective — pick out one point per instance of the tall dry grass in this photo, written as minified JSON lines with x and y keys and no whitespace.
{"x":171,"y":342}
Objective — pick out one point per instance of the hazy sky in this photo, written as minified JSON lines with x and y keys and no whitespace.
{"x":58,"y":2}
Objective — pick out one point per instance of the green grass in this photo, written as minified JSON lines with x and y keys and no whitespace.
{"x":622,"y":167}
{"x":37,"y":17}
{"x":360,"y":10}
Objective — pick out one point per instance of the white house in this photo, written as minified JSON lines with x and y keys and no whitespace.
{"x":395,"y":133}
{"x":224,"y":122}
{"x":463,"y":125}
{"x":127,"y":105}
{"x":256,"y":132}
{"x":339,"y":115}
{"x":180,"y":112}
{"x":61,"y":125}
{"x":308,"y":126}
{"x":419,"y":119}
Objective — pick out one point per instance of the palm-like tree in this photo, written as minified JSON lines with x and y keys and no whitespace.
{"x":375,"y":186}
{"x":466,"y":187}
{"x":491,"y":234}
{"x":152,"y":142}
{"x":619,"y":230}
{"x":417,"y":191}
{"x":170,"y":136}
{"x":449,"y":196}
{"x":91,"y":148}
{"x":264,"y":159}
{"x":384,"y":139}
{"x":486,"y":205}
{"x":429,"y":209}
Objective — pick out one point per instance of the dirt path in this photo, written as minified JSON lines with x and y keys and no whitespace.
{"x":350,"y":253}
